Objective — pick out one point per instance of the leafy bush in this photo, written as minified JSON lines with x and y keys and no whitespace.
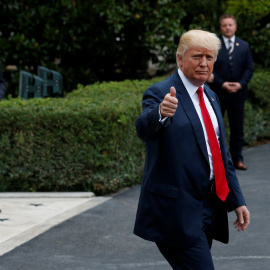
{"x":259,"y":92}
{"x":254,"y":124}
{"x":87,"y":140}
{"x":90,"y":41}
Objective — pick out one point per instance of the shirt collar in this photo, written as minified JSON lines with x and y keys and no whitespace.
{"x":191,"y":88}
{"x":227,"y":39}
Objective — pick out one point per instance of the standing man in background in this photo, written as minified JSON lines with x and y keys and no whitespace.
{"x":189,"y":182}
{"x":2,"y":85}
{"x":232,"y":72}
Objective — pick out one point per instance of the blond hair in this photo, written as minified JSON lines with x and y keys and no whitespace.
{"x":198,"y":39}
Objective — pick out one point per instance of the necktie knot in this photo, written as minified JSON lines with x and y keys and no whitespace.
{"x":199,"y":91}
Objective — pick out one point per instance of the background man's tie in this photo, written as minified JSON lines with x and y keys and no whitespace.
{"x":230,"y":52}
{"x":222,"y":188}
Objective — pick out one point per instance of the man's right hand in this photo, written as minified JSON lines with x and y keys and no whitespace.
{"x":231,"y":87}
{"x":169,"y":104}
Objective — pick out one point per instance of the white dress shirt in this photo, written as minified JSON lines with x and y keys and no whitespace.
{"x":192,"y":89}
{"x":226,"y":41}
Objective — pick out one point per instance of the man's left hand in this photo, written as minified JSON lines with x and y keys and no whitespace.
{"x":243,"y":218}
{"x":234,"y":87}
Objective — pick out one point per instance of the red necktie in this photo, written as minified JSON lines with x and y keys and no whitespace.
{"x":222,"y":188}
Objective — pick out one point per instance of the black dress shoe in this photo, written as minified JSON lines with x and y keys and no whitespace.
{"x":240,"y":165}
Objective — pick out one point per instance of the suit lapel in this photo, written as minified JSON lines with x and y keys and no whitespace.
{"x":191,"y":113}
{"x":236,"y":50}
{"x":224,"y":50}
{"x":224,"y":53}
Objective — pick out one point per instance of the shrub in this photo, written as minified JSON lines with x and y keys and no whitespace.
{"x":87,"y":140}
{"x":260,"y":99}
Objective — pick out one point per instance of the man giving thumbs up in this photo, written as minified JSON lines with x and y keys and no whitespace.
{"x":189,"y":182}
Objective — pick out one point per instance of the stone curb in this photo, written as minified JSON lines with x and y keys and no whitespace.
{"x":46,"y":195}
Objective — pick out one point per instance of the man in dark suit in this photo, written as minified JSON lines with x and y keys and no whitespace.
{"x":232,"y":72}
{"x":189,"y":181}
{"x":2,"y":85}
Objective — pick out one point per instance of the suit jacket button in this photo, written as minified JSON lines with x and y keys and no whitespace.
{"x":203,"y":194}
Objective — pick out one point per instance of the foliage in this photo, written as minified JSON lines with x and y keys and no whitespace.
{"x":260,"y":99}
{"x":256,"y":8}
{"x":45,"y":33}
{"x":255,"y":124}
{"x":253,"y":25}
{"x":87,"y":140}
{"x":90,"y":41}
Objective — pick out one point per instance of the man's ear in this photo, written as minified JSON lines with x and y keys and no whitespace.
{"x":180,"y":60}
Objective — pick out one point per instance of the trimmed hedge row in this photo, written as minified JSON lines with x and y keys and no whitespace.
{"x":260,"y":99}
{"x":87,"y":140}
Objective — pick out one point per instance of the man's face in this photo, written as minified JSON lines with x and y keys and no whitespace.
{"x":228,"y":27}
{"x":197,"y":64}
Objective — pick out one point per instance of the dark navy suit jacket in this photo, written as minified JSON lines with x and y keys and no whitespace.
{"x":241,"y":71}
{"x":176,"y":172}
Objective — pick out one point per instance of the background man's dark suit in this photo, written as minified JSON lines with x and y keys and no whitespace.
{"x":241,"y":71}
{"x":2,"y":85}
{"x":176,"y":175}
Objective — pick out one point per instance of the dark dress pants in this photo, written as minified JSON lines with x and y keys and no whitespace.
{"x":235,"y":109}
{"x":198,"y":256}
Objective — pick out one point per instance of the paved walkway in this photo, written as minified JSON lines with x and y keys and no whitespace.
{"x":23,"y":216}
{"x":100,"y":237}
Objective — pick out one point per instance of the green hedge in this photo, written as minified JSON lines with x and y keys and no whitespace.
{"x":260,"y":99}
{"x":87,"y":140}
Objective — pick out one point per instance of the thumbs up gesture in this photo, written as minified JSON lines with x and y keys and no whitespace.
{"x":169,"y":104}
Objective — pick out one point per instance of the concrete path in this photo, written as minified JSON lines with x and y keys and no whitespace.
{"x":101,"y":238}
{"x":26,"y":215}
